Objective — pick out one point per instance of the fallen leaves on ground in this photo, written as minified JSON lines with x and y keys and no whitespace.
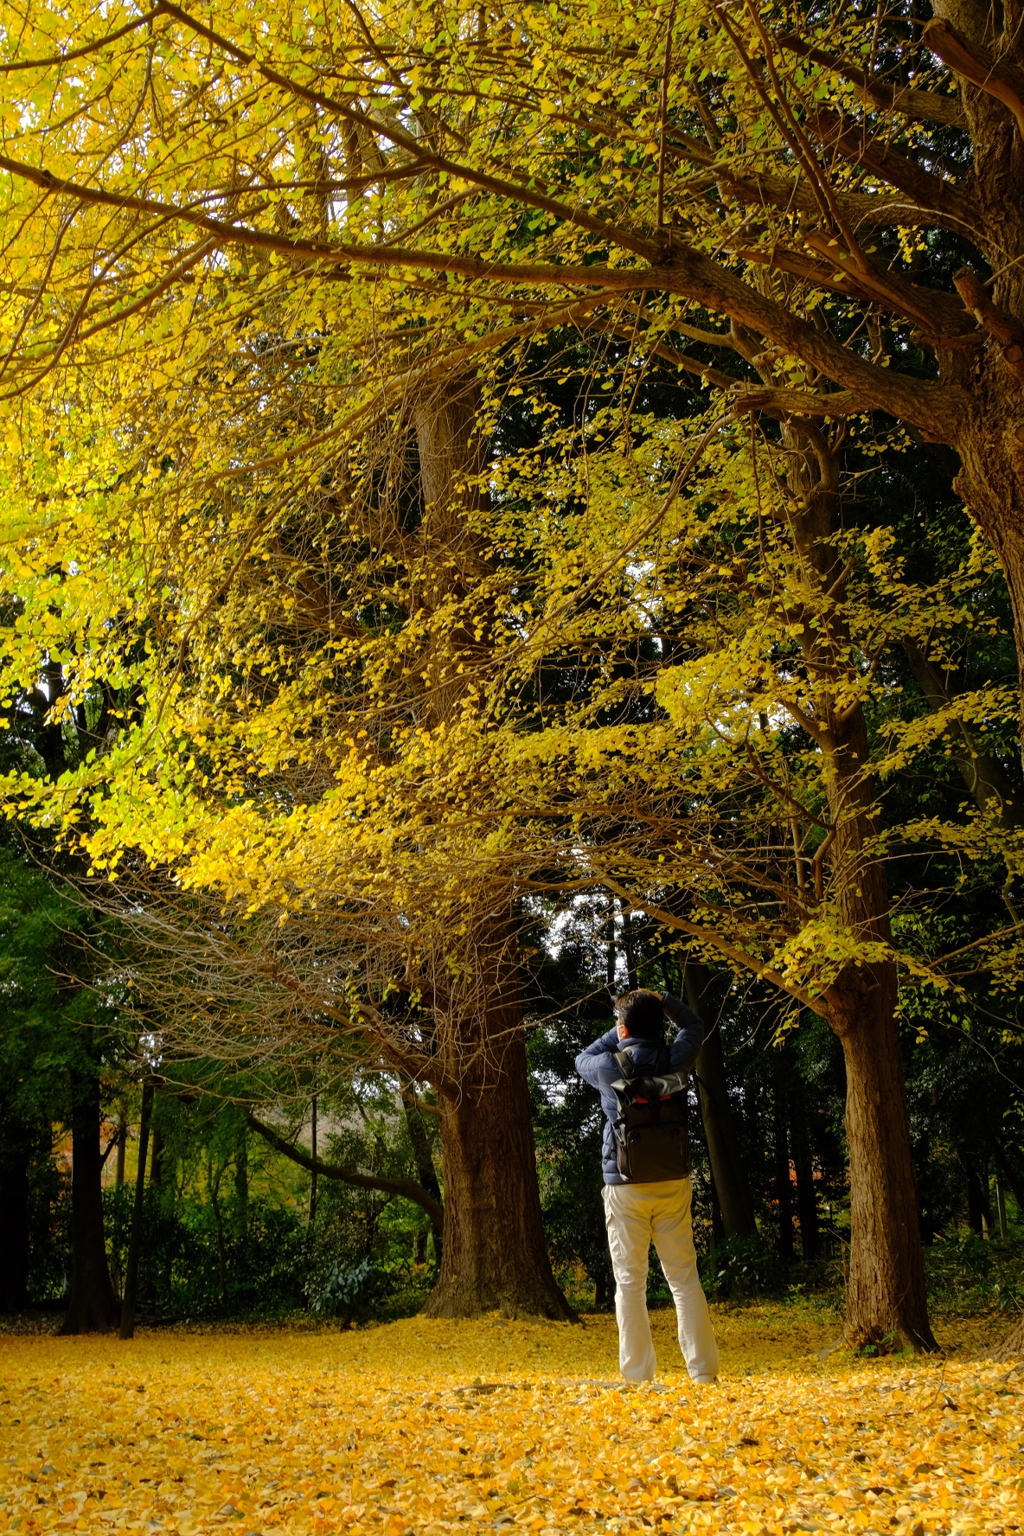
{"x":430,"y":1427}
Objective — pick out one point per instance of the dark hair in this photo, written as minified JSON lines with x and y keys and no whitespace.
{"x":642,"y":1014}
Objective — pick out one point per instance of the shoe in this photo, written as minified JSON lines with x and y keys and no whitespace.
{"x":704,"y":1381}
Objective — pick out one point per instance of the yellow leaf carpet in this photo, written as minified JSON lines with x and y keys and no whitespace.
{"x":431,"y":1427}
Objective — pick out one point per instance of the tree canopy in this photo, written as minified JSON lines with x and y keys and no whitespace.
{"x":453,"y":460}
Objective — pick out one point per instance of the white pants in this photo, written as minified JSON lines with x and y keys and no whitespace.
{"x":637,"y":1215}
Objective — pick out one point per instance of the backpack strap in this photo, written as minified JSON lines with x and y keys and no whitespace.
{"x":626,"y":1065}
{"x":629,"y":1069}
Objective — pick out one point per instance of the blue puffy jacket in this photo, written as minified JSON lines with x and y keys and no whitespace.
{"x":598,"y":1067}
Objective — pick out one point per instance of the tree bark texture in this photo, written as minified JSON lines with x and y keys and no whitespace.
{"x":495,"y":1255}
{"x":494,"y":1250}
{"x":989,"y":435}
{"x":886,"y":1305}
{"x":1012,"y":1346}
{"x":885,"y":1292}
{"x":92,"y":1305}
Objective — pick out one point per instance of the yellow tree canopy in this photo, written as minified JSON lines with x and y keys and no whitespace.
{"x":244,"y":248}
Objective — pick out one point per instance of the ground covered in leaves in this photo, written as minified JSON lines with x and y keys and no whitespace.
{"x":431,"y":1427}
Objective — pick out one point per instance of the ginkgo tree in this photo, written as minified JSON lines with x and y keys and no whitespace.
{"x":839,"y":190}
{"x":250,"y":251}
{"x":721,"y":756}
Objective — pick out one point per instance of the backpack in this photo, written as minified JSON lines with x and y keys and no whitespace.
{"x":651,"y":1141}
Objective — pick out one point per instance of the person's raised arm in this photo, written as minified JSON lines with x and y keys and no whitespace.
{"x":588,"y":1062}
{"x":689,"y":1031}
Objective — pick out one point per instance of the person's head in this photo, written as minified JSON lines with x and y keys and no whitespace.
{"x":640,"y":1014}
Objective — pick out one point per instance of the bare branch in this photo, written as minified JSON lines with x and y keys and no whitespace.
{"x":408,"y":1189}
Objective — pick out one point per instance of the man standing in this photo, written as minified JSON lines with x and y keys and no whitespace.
{"x":637,"y":1214}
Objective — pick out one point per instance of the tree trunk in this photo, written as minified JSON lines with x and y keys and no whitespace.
{"x":886,"y":1305}
{"x":242,"y":1188}
{"x":425,"y":1170}
{"x":885,"y":1293}
{"x":979,"y":1210}
{"x":494,"y":1251}
{"x":15,"y":1154}
{"x":629,"y":950}
{"x":495,"y":1255}
{"x":991,"y":448}
{"x":157,"y":1158}
{"x":782,"y":1174}
{"x":92,"y":1306}
{"x":122,"y":1142}
{"x":131,"y":1269}
{"x":313,"y":1192}
{"x":728,"y":1173}
{"x":718,"y":1232}
{"x":218,"y":1222}
{"x":806,"y":1194}
{"x":1009,"y":1175}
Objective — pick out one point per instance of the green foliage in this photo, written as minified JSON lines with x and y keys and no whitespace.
{"x":353,"y":1292}
{"x":742,"y":1269}
{"x":968,"y":1275}
{"x":192,"y":1266}
{"x":49,"y":1226}
{"x":43,"y":1011}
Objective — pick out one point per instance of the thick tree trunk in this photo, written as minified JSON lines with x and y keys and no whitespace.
{"x":1012,"y":1347}
{"x":886,"y":1303}
{"x":989,"y":434}
{"x":992,"y":484}
{"x":495,"y":1254}
{"x":886,"y":1306}
{"x":92,"y":1305}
